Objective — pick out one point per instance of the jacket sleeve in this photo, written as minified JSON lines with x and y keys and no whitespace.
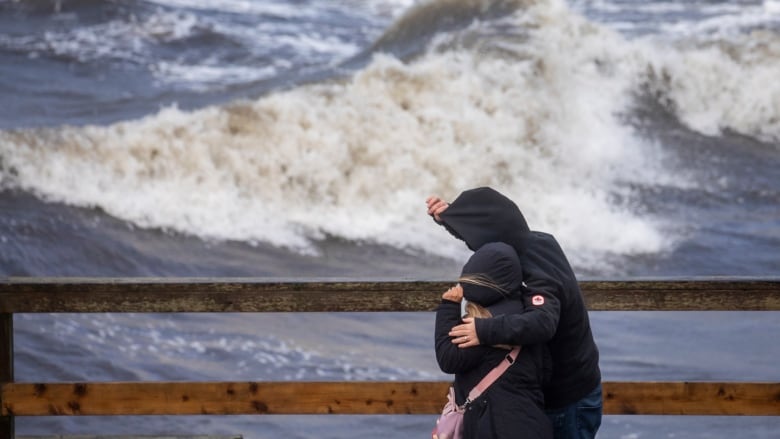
{"x":536,"y":324}
{"x":450,"y":357}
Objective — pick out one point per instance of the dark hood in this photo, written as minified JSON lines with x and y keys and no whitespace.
{"x":499,"y":264}
{"x":483,"y":215}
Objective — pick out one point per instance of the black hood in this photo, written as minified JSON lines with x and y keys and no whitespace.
{"x":497,"y":263}
{"x":483,"y":215}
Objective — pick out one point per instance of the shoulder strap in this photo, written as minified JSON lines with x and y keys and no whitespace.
{"x":493,"y":375}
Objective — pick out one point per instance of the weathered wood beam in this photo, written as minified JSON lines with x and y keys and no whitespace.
{"x":35,"y":295}
{"x":683,"y":295}
{"x":692,"y":398}
{"x":235,"y":398}
{"x":227,"y":398}
{"x":214,"y":295}
{"x":6,"y":368}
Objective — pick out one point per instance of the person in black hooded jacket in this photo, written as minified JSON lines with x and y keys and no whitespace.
{"x":555,"y":312}
{"x":513,"y":406}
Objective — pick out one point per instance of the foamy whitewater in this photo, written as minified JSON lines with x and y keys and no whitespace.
{"x":539,"y":116}
{"x":299,"y":139}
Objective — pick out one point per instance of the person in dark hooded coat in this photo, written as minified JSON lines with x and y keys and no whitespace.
{"x":555,"y":312}
{"x":513,"y":406}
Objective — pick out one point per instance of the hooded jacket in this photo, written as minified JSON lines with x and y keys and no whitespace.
{"x":512,"y":407}
{"x":555,"y":311}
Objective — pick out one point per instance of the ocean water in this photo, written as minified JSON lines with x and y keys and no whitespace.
{"x":300,"y":139}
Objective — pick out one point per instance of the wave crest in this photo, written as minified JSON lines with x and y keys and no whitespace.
{"x":538,"y":115}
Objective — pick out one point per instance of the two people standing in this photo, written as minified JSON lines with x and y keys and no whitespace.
{"x":554,"y":313}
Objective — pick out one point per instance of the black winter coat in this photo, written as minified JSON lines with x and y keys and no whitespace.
{"x":555,"y":312}
{"x":511,"y":408}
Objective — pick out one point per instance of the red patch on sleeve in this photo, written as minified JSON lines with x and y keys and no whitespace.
{"x":537,"y":300}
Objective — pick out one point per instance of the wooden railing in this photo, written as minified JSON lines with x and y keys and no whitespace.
{"x":23,"y":295}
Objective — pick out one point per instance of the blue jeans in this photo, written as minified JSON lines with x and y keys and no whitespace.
{"x":579,"y":420}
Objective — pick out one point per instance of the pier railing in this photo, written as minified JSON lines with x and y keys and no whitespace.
{"x":71,"y":295}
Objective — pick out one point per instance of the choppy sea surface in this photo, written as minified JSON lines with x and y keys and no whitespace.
{"x":300,"y":138}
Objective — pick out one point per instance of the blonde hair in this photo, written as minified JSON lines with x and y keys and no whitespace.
{"x":480,"y":312}
{"x":483,"y":281}
{"x":477,"y":311}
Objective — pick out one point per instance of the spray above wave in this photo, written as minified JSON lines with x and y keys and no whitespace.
{"x":530,"y":103}
{"x":720,"y":85}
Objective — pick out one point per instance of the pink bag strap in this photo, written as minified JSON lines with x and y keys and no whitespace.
{"x":493,"y":375}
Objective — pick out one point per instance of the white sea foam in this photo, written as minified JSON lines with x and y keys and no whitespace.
{"x":280,"y":9}
{"x":724,"y":85}
{"x":715,"y":73}
{"x":212,"y":75}
{"x":135,"y":41}
{"x":772,"y":6}
{"x":538,"y":119}
{"x":285,"y":9}
{"x":113,"y":39}
{"x":733,"y":20}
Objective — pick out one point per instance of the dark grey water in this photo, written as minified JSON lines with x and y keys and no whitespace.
{"x":273,"y":139}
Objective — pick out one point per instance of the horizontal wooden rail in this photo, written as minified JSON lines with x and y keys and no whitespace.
{"x":72,"y":295}
{"x":35,"y":295}
{"x":369,"y":397}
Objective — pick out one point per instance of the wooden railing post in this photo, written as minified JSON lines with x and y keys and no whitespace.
{"x":6,"y":369}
